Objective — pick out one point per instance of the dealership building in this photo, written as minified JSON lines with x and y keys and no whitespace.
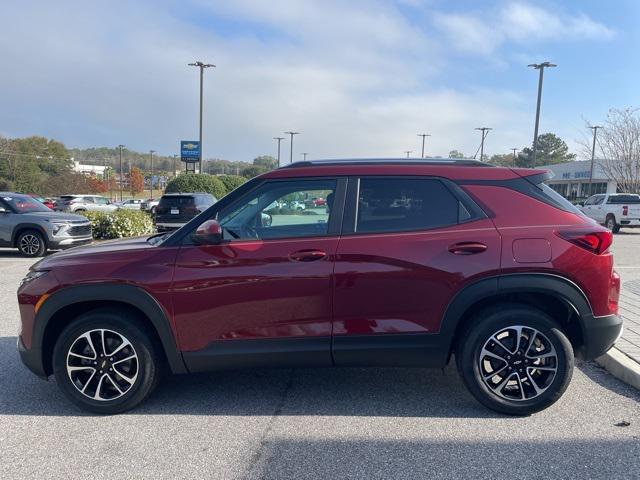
{"x":571,"y":179}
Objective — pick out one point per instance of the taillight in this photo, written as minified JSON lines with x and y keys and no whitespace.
{"x":625,"y":210}
{"x":595,"y":242}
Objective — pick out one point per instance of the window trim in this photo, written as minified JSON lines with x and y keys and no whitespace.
{"x":350,"y":217}
{"x":333,"y":228}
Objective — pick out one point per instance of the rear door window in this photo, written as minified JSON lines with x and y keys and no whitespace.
{"x":404,"y":204}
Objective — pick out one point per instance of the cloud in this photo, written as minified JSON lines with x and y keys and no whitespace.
{"x":357,"y":78}
{"x":485,"y":32}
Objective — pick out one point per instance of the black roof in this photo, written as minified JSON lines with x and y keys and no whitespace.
{"x":465,"y":162}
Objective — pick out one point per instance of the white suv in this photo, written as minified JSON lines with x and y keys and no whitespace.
{"x":86,"y":203}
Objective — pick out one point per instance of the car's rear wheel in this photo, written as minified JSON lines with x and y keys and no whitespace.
{"x":515,"y":360}
{"x":611,"y":224}
{"x":31,"y":243}
{"x":105,"y":362}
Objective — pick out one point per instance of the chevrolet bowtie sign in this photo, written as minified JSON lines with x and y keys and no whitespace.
{"x":190,"y":151}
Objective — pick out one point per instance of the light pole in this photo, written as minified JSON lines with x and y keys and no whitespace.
{"x":593,"y":157}
{"x":151,"y":152}
{"x":279,"y":139}
{"x":292,"y":133}
{"x":408,"y":152}
{"x":514,"y":156}
{"x":423,"y":135}
{"x":120,"y":147}
{"x":485,"y":132}
{"x":541,"y":67}
{"x":201,"y":66}
{"x":174,"y":164}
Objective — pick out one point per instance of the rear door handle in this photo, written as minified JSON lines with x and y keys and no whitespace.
{"x":467,"y":248}
{"x":307,"y":255}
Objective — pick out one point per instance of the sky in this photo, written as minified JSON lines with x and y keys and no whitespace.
{"x":357,"y":78}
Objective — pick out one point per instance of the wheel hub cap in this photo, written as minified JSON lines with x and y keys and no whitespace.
{"x":102,"y":364}
{"x":518,"y":363}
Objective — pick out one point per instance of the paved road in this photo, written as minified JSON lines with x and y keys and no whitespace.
{"x":305,"y":424}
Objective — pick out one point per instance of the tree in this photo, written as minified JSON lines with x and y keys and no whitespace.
{"x":551,"y":150}
{"x":136,"y":181}
{"x":618,"y":148}
{"x":196,"y":182}
{"x":96,"y":185}
{"x":456,"y":154}
{"x":266,"y":161}
{"x":70,"y":183}
{"x":251,"y":172}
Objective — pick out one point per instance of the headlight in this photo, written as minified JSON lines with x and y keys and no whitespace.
{"x":32,"y":275}
{"x":59,"y":226}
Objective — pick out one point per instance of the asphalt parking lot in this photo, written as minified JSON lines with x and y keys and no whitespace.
{"x":327,"y":423}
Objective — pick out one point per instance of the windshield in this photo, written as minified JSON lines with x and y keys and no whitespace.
{"x":24,"y":204}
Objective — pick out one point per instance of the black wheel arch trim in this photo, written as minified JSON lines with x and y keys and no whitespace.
{"x":131,"y":295}
{"x":18,"y":229}
{"x":551,"y":284}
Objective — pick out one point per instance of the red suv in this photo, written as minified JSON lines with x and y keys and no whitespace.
{"x":410,"y":262}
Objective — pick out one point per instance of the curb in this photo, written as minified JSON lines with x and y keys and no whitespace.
{"x":621,"y":366}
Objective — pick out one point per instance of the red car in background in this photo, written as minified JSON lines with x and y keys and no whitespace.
{"x":48,"y":202}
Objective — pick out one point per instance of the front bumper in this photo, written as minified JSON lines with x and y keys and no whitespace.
{"x":32,"y":358}
{"x":68,"y":242}
{"x":599,"y":335}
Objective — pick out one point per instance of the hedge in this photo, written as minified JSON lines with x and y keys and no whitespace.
{"x":196,"y":182}
{"x":119,"y":224}
{"x":231,"y":182}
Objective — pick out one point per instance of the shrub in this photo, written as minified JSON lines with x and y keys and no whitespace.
{"x":6,"y":185}
{"x":231,"y":182}
{"x":196,"y":182}
{"x":119,"y":224}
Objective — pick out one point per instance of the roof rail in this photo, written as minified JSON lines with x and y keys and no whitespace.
{"x":465,"y":162}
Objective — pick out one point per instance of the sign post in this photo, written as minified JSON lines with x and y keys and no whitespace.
{"x":190,"y":154}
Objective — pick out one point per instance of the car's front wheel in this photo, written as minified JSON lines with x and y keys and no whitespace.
{"x":31,"y":243}
{"x":105,"y":362}
{"x":515,"y":359}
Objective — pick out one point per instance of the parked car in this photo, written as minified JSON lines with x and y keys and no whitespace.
{"x":176,"y":209}
{"x":150,"y":205}
{"x":614,"y":210}
{"x":131,"y":204}
{"x":32,"y":228}
{"x":86,"y":203}
{"x":485,"y":264}
{"x":297,"y":205}
{"x":319,"y":202}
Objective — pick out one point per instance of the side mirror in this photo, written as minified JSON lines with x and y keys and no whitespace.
{"x":208,"y":233}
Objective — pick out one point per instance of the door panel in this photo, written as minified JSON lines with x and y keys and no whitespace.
{"x":402,"y":282}
{"x":253,"y":290}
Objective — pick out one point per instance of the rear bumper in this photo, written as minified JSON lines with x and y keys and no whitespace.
{"x":599,"y":335}
{"x":32,"y":358}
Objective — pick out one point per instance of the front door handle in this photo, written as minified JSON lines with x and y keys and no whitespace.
{"x":467,"y":248}
{"x":307,"y":255}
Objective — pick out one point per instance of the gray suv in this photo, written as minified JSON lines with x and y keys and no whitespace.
{"x":32,"y":228}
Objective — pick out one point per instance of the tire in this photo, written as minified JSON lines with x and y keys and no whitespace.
{"x":611,"y":224}
{"x":153,"y":210}
{"x":31,"y":243}
{"x":499,"y":384}
{"x":99,"y":386}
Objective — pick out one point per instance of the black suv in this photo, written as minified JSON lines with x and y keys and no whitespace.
{"x":176,"y":209}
